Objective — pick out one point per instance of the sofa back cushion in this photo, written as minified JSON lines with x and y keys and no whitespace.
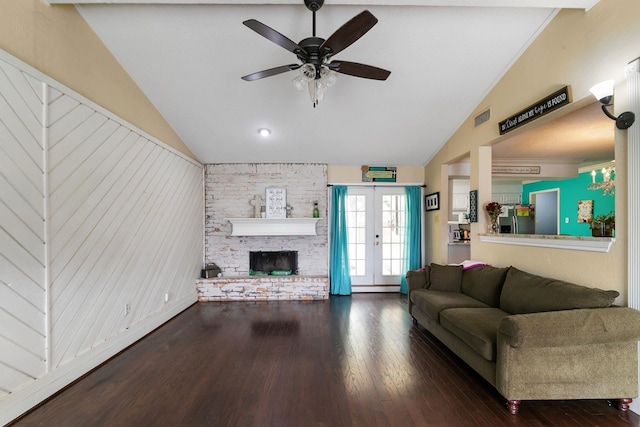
{"x":445,"y":278}
{"x":484,"y":284}
{"x":528,"y":293}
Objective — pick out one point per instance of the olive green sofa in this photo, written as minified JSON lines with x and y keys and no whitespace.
{"x":531,"y":337}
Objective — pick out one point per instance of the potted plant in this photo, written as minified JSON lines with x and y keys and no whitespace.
{"x":603,"y":225}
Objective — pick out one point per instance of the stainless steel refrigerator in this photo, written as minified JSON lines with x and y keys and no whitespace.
{"x":517,"y":219}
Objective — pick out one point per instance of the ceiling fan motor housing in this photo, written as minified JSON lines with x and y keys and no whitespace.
{"x":313,"y":5}
{"x":311,"y":45}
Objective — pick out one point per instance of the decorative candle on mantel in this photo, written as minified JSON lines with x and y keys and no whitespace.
{"x":593,"y":176}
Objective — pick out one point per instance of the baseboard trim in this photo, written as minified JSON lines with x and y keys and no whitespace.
{"x":21,"y":401}
{"x":375,"y":288}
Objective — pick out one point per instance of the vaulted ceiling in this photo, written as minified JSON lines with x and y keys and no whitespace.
{"x":444,"y":57}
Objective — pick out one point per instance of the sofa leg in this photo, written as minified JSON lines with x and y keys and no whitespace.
{"x":513,"y":406}
{"x":414,"y":320}
{"x":623,"y":404}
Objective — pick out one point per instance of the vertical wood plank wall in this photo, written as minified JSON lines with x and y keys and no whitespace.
{"x":95,"y":216}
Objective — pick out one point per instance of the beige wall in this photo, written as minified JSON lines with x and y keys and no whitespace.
{"x":579,"y":49}
{"x":58,"y":42}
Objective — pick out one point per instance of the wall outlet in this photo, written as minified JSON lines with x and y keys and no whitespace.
{"x":127,"y":309}
{"x":167,"y":296}
{"x":566,"y":220}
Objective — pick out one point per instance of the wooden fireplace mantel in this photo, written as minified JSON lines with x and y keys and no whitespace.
{"x":273,"y":226}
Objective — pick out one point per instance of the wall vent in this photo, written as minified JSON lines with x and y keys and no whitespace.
{"x":482,"y":118}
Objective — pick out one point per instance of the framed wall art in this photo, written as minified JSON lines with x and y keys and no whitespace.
{"x":585,"y":210}
{"x":432,"y":202}
{"x":276,"y":202}
{"x":473,"y":206}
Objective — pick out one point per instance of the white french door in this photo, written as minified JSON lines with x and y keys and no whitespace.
{"x":376,"y":223}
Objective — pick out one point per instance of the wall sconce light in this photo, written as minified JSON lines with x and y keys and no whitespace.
{"x":603,"y":92}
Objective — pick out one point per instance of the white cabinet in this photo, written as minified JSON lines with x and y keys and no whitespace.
{"x":512,"y":198}
{"x":459,"y":195}
{"x":507,"y":198}
{"x":507,"y":193}
{"x":460,"y":202}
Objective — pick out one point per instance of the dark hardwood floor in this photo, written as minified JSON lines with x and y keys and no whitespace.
{"x":349,"y":361}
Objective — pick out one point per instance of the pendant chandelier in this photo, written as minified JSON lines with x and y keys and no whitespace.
{"x":607,"y":185}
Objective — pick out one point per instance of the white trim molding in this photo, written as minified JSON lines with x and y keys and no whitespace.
{"x":576,"y":243}
{"x":273,"y":226}
{"x":633,"y":187}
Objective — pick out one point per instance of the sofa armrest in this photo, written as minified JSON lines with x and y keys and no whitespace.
{"x":571,"y":327}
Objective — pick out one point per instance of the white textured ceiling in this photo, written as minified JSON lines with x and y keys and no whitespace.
{"x":188,"y":60}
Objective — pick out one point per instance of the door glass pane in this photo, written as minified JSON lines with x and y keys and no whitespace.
{"x":356,"y":216}
{"x":392,"y":239}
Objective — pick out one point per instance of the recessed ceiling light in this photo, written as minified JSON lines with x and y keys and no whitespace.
{"x":264,"y":132}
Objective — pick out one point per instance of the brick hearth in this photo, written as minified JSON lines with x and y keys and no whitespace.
{"x":264,"y":288}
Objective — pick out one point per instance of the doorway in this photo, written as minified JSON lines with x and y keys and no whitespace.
{"x":546,"y":211}
{"x":376,"y":228}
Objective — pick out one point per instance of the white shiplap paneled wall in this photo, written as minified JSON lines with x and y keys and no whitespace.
{"x":99,"y":224}
{"x":22,"y":230}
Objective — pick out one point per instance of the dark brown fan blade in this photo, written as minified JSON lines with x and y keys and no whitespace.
{"x":346,"y":35}
{"x":271,"y":72}
{"x":359,"y":70}
{"x":274,"y":36}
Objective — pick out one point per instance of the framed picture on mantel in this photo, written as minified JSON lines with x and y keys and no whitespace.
{"x":276,"y":202}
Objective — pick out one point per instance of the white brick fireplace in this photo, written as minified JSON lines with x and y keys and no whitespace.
{"x":229,"y":189}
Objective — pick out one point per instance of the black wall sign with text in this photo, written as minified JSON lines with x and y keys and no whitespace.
{"x":550,"y":103}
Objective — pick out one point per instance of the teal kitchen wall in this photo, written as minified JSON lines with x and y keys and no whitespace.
{"x":571,"y":191}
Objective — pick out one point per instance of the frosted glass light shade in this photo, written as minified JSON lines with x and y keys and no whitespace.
{"x":603,"y":90}
{"x":315,"y":81}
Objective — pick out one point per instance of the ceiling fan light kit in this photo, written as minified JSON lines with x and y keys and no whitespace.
{"x":317,"y":71}
{"x":316,"y":87}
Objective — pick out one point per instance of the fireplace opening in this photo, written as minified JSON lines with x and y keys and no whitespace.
{"x":273,"y":262}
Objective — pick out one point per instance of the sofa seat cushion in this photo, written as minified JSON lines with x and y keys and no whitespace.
{"x":477,"y":327}
{"x":524,"y":292}
{"x":433,"y":302}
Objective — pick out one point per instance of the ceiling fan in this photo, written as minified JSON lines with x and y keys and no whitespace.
{"x":317,"y":70}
